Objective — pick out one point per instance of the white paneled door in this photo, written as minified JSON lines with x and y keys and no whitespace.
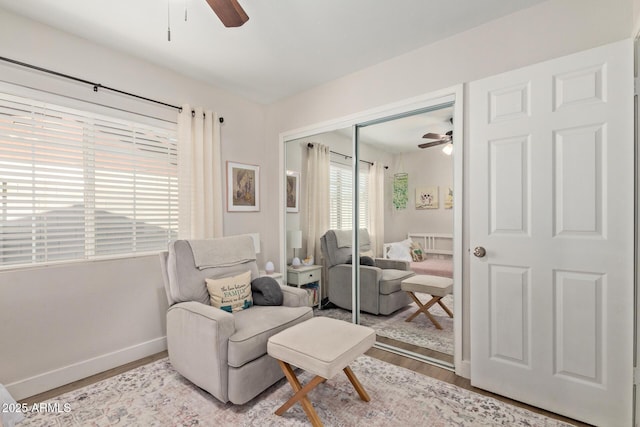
{"x":552,"y":205}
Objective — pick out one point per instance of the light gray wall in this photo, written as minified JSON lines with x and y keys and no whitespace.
{"x":549,"y":30}
{"x":65,"y":322}
{"x":61,"y":323}
{"x":425,"y":168}
{"x":505,"y":44}
{"x":636,"y":18}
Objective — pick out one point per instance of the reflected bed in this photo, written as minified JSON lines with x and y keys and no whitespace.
{"x":437,"y":248}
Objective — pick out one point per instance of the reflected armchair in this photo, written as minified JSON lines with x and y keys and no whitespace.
{"x":380,"y":291}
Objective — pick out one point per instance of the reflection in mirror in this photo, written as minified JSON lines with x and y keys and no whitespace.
{"x":405,"y":216}
{"x":318,"y":196}
{"x":410,"y":219}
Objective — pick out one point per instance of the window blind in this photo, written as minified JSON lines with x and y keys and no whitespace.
{"x":79,"y":185}
{"x":341,"y":197}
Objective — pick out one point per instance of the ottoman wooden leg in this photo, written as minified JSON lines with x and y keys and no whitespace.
{"x":300,"y":394}
{"x":356,"y":384}
{"x":445,"y":308}
{"x":424,"y":308}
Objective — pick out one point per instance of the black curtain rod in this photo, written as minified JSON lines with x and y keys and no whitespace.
{"x":310,"y":145}
{"x":96,"y":86}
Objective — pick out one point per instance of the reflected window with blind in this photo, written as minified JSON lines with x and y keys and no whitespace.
{"x":79,"y":185}
{"x":341,"y":194}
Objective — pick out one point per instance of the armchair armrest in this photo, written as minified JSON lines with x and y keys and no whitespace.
{"x":339,"y":285}
{"x":370,"y":289}
{"x":391,"y":263}
{"x":369,"y":276}
{"x":341,"y":274}
{"x":197,"y":340}
{"x":293,"y":297}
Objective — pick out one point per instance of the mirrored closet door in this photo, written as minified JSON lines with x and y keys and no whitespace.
{"x":319,"y":218}
{"x":410,"y":220}
{"x":392,"y":180}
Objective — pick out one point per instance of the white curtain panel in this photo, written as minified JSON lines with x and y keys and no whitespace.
{"x":376,"y":207}
{"x":199,"y":174}
{"x":317,"y":197}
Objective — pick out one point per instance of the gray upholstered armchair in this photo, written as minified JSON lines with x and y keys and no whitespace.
{"x":223,"y":353}
{"x":380,"y":291}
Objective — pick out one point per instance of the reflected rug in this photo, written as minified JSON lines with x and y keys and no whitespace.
{"x":420,"y":331}
{"x":156,"y":395}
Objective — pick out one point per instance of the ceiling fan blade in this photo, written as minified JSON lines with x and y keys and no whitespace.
{"x":229,"y":11}
{"x":433,"y":143}
{"x":432,"y":135}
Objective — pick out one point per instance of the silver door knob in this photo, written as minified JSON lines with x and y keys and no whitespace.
{"x":479,"y":251}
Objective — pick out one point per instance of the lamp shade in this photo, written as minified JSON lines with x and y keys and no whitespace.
{"x":295,"y":239}
{"x":256,"y":241}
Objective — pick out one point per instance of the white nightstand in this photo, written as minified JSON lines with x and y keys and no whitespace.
{"x":307,"y":277}
{"x":276,"y":276}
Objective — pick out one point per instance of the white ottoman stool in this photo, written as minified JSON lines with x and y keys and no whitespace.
{"x":435,"y":286}
{"x":324,"y":347}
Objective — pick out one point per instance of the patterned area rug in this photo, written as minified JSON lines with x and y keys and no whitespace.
{"x":156,"y":395}
{"x":420,"y":331}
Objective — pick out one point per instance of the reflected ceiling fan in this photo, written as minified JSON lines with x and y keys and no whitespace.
{"x":445,"y":139}
{"x":439,"y":139}
{"x":229,"y":11}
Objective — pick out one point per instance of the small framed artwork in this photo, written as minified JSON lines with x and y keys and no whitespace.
{"x":293,"y":191}
{"x":243,"y":187}
{"x":427,"y":198}
{"x":448,"y":198}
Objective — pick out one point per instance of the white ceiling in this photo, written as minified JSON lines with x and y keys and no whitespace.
{"x":286,"y":47}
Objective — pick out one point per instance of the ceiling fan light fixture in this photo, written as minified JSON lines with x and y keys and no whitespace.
{"x":448,"y":149}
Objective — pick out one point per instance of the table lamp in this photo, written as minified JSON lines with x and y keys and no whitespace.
{"x":295,"y":242}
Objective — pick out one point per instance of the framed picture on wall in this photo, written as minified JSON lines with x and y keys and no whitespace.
{"x":293,"y":191}
{"x":427,"y":198}
{"x":448,"y":198}
{"x":243,"y":187}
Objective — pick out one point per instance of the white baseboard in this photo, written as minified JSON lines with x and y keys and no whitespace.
{"x":77,"y":371}
{"x":463,"y":369}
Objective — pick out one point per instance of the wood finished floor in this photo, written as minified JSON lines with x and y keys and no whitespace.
{"x":444,"y":357}
{"x":398,"y":360}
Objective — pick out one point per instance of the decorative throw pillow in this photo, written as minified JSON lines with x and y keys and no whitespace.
{"x":231,"y":293}
{"x":266,"y":291}
{"x":417,"y":254}
{"x":400,"y":250}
